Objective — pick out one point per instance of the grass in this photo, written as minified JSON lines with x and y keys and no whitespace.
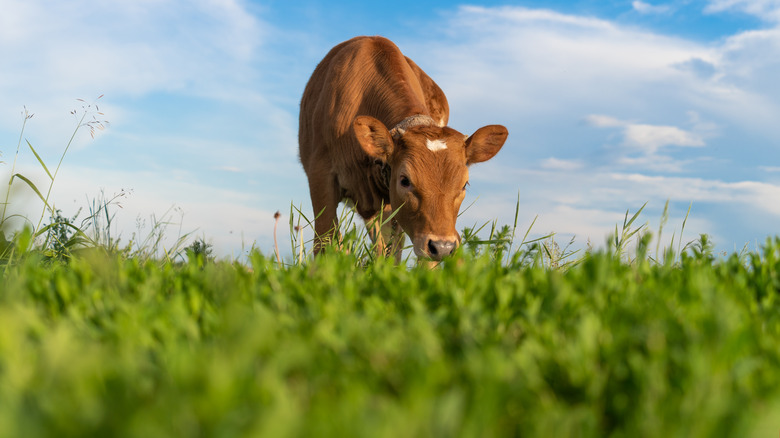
{"x":511,"y":336}
{"x":61,"y":237}
{"x":121,"y":347}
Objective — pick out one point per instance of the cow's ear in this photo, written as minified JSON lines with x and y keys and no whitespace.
{"x":373,"y":137}
{"x":485,"y":143}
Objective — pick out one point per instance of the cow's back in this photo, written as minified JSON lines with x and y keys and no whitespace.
{"x":362,"y":76}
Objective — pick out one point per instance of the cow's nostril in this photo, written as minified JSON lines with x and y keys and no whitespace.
{"x":440,"y":248}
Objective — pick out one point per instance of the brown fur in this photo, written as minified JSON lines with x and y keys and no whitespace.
{"x":363,"y":88}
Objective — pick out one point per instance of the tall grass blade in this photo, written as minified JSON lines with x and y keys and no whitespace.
{"x":664,"y":218}
{"x":682,"y":229}
{"x":390,"y":217}
{"x":633,"y":218}
{"x":27,"y":116}
{"x":514,"y":225}
{"x":34,"y":189}
{"x":38,"y":157}
{"x":468,"y":207}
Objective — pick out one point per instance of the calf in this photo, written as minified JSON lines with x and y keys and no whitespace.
{"x":373,"y":131}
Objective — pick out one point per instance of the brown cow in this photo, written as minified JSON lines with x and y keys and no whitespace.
{"x":373,"y":131}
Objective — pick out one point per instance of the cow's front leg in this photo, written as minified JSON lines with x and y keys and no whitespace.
{"x":325,"y":198}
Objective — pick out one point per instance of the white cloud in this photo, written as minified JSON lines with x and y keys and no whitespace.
{"x":602,"y":121}
{"x":155,"y":53}
{"x":569,"y":60}
{"x":764,"y":9}
{"x":651,"y":137}
{"x":590,"y":202}
{"x":553,"y":163}
{"x":648,"y":138}
{"x":62,"y":48}
{"x":656,"y":163}
{"x":646,"y":8}
{"x":230,"y":169}
{"x":543,"y":63}
{"x":749,"y":55}
{"x":753,"y":194}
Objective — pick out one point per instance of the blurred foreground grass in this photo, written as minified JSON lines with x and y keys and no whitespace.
{"x":113,"y":346}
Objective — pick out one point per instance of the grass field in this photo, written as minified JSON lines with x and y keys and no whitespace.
{"x":104,"y":345}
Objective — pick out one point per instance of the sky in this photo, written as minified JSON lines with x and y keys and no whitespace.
{"x":610,"y":105}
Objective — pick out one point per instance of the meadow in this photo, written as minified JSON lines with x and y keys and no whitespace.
{"x":509,"y":337}
{"x":104,"y":345}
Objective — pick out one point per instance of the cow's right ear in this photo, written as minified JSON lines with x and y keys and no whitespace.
{"x":373,"y":137}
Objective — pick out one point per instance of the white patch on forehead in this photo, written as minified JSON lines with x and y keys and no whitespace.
{"x":436,"y":145}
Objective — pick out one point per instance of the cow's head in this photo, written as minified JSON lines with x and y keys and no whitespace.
{"x":429,"y":174}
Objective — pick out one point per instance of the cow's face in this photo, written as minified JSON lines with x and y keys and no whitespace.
{"x":429,"y":174}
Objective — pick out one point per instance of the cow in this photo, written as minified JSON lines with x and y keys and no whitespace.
{"x":373,"y":133}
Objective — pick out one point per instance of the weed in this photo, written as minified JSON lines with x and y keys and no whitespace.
{"x":200,"y":250}
{"x":60,"y":236}
{"x":87,"y":118}
{"x":148,"y":242}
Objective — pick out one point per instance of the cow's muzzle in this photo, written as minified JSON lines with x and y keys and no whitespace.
{"x":436,"y":247}
{"x":440,"y":248}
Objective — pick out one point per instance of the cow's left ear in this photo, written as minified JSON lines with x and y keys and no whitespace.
{"x":485,"y":143}
{"x":373,"y":137}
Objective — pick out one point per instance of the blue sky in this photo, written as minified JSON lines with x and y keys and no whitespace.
{"x":609,"y":104}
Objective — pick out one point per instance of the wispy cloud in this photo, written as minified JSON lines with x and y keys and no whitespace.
{"x":67,"y":51}
{"x":553,"y":163}
{"x":602,"y":121}
{"x":573,"y":61}
{"x":646,"y":8}
{"x":163,"y":58}
{"x":648,"y":138}
{"x":764,"y":9}
{"x":640,"y":144}
{"x":589,"y":203}
{"x":542,"y":63}
{"x":230,"y":169}
{"x":752,"y":194}
{"x":653,"y":137}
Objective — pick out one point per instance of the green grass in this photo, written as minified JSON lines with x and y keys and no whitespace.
{"x":119,"y":347}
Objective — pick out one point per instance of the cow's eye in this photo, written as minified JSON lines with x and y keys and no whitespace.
{"x":465,"y":185}
{"x":405,"y":183}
